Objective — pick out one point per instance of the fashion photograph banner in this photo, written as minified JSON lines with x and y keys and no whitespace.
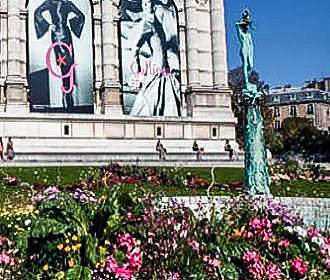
{"x":150,"y":58}
{"x":60,"y":56}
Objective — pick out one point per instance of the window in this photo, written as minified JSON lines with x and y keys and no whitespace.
{"x":277,"y":98}
{"x":277,"y":125}
{"x":277,"y":112}
{"x":159,"y":131}
{"x":292,"y":97}
{"x":293,"y":111}
{"x":214,"y":132}
{"x":309,"y":94}
{"x":310,"y":109}
{"x":66,"y":130}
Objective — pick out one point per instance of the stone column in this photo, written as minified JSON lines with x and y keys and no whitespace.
{"x":110,"y":89}
{"x":15,"y":93}
{"x":2,"y":96}
{"x":219,"y":52}
{"x":192,"y":44}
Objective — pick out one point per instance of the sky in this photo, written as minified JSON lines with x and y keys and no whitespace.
{"x":291,"y":39}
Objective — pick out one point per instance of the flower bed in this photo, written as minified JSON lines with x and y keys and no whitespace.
{"x":96,"y":229}
{"x":105,"y":233}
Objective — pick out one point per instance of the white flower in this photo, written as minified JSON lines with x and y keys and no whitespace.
{"x":27,"y":222}
{"x":289,"y":229}
{"x":318,"y":240}
{"x":301,"y":231}
{"x":307,"y":247}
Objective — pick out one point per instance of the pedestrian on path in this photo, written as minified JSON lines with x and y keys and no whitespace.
{"x":162,"y":152}
{"x":199,"y":151}
{"x":10,"y":149}
{"x":1,"y":149}
{"x":228,"y":148}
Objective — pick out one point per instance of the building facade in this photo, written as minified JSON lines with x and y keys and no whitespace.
{"x":304,"y":102}
{"x":114,"y":70}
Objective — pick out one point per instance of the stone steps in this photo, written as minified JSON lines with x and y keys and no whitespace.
{"x":97,"y":150}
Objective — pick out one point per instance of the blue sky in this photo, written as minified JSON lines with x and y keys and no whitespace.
{"x":291,"y":39}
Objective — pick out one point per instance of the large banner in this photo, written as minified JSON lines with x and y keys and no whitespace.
{"x":150,"y":58}
{"x":60,"y":56}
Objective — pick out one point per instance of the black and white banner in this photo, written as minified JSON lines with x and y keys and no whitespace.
{"x":150,"y":58}
{"x":60,"y":56}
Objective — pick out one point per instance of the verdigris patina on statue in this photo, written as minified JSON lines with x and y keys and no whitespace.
{"x":256,"y":173}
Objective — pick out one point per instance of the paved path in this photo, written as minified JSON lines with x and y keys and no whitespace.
{"x":149,"y":163}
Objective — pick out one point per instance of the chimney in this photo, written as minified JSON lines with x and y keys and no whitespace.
{"x":327,"y":84}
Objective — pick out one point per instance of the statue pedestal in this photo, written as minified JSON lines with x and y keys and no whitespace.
{"x":111,"y":103}
{"x":210,"y":104}
{"x":16,"y":100}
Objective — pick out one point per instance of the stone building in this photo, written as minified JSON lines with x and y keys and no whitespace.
{"x":310,"y":103}
{"x":55,"y":46}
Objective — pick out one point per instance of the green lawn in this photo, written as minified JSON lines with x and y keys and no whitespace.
{"x":51,"y":175}
{"x":69,"y":175}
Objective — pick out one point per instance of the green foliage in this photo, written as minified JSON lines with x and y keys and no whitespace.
{"x":298,"y":135}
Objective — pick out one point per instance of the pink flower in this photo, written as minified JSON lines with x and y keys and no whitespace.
{"x":327,"y":263}
{"x":261,"y":228}
{"x":284,"y":243}
{"x":6,"y":259}
{"x":210,"y":261}
{"x":133,"y":258}
{"x":175,"y":276}
{"x":194,"y":245}
{"x":313,"y":232}
{"x":273,"y":272}
{"x":254,"y":265}
{"x":325,"y":249}
{"x":299,"y":266}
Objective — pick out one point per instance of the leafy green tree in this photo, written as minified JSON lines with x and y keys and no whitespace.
{"x":300,"y":136}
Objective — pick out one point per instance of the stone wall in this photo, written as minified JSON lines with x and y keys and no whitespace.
{"x":314,"y":211}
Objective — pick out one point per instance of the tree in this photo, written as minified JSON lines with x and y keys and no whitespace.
{"x":300,"y":136}
{"x":236,"y":82}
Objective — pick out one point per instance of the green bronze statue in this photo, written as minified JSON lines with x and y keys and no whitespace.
{"x":256,"y":173}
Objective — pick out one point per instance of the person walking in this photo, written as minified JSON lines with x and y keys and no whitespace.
{"x":10,"y":149}
{"x":162,"y":153}
{"x":199,"y":151}
{"x":1,"y":149}
{"x":229,"y":149}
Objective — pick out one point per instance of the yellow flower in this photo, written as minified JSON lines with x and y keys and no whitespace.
{"x":67,"y":241}
{"x":67,"y":249}
{"x":107,"y":242}
{"x":237,"y":233}
{"x":75,"y":248}
{"x":78,"y":246}
{"x":45,"y":267}
{"x":60,"y":246}
{"x":74,"y":238}
{"x":60,"y":275}
{"x":71,"y":262}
